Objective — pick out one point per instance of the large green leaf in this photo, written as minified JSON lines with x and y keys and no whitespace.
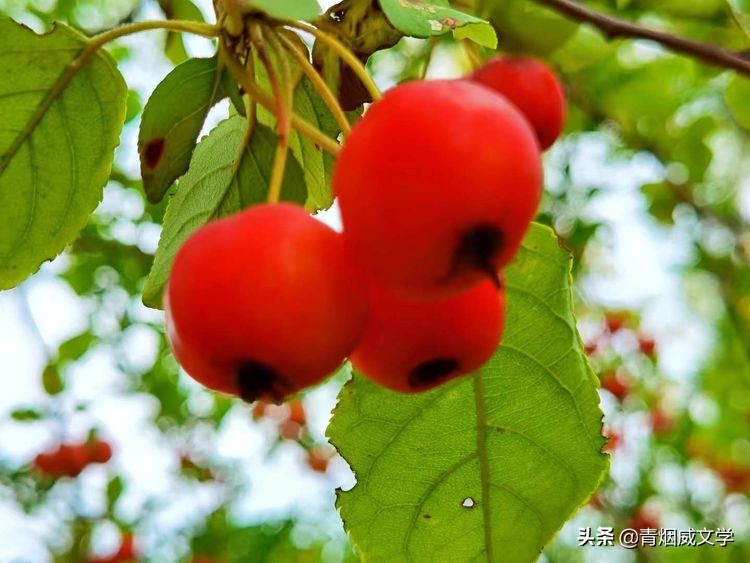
{"x":426,"y":18}
{"x":172,"y":120}
{"x":288,"y":9}
{"x":218,"y":185}
{"x":489,"y":467}
{"x":59,"y":126}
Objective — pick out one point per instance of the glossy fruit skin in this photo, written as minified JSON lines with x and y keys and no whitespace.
{"x":412,"y":346}
{"x":437,"y":185}
{"x":533,"y":87}
{"x":264,"y":303}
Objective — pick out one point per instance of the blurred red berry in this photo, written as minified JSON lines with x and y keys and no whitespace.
{"x":614,"y":440}
{"x":76,"y":457}
{"x":644,"y":519}
{"x":99,"y":451}
{"x":127,"y":551}
{"x":736,"y":478}
{"x":50,"y":463}
{"x":297,"y":412}
{"x":616,"y":384}
{"x":318,"y":459}
{"x":615,"y":321}
{"x":290,"y":430}
{"x":661,"y":423}
{"x":647,"y":346}
{"x":259,"y":409}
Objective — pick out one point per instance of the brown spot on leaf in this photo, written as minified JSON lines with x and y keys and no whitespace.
{"x":453,"y":23}
{"x":153,"y":151}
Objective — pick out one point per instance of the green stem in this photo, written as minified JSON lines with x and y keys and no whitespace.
{"x":303,"y":127}
{"x":234,"y":17}
{"x":342,"y":51}
{"x":282,"y":115}
{"x":280,"y":89}
{"x":319,"y":84}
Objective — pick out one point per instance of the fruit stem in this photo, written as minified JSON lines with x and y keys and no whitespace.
{"x":288,"y":81}
{"x":282,"y":91}
{"x":252,"y":106}
{"x":342,"y":51}
{"x":282,"y":110}
{"x":319,"y":84}
{"x":256,"y":92}
{"x":234,"y":17}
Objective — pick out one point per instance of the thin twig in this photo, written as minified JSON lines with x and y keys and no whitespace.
{"x":282,"y":90}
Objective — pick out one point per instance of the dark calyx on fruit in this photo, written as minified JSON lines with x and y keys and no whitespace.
{"x":430,"y":372}
{"x":257,"y":381}
{"x":478,"y":249}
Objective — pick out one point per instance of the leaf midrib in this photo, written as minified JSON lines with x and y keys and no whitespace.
{"x":70,"y":71}
{"x":484,"y":463}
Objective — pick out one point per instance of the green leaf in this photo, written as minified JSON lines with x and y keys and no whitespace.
{"x":51,"y":380}
{"x":25,"y":415}
{"x":115,"y":487}
{"x":480,"y":33}
{"x":134,"y":106}
{"x":288,"y":9}
{"x":60,"y":126}
{"x":489,"y":467}
{"x":217,"y":186}
{"x":173,"y":118}
{"x":736,"y":96}
{"x":179,"y":10}
{"x":75,"y":347}
{"x":427,"y":18}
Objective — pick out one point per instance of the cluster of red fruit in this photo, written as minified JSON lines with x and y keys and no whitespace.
{"x":614,"y":322}
{"x":69,"y":460}
{"x":290,"y":417}
{"x":291,"y":421}
{"x":437,"y":185}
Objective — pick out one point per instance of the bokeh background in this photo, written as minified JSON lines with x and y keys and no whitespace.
{"x":650,"y":190}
